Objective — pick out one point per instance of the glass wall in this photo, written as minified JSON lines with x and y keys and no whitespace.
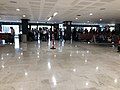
{"x":6,"y":29}
{"x":33,"y":26}
{"x":44,"y":26}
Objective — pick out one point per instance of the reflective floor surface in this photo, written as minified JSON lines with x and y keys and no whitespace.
{"x":76,"y":66}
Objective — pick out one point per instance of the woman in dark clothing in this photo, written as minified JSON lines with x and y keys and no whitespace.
{"x":12,"y":34}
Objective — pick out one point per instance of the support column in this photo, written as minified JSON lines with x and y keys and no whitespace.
{"x":68,"y":29}
{"x":24,"y":29}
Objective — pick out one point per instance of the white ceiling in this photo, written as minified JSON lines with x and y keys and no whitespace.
{"x":40,"y":10}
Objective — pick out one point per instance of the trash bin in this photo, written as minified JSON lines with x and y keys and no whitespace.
{"x":24,"y":38}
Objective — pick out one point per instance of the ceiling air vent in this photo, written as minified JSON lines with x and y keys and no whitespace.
{"x":13,"y":2}
{"x":78,"y":15}
{"x":102,"y":9}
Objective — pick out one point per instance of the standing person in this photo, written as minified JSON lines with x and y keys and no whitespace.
{"x":12,"y":34}
{"x":118,"y":44}
{"x":0,"y":35}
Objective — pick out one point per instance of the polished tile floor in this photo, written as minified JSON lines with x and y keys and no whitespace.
{"x":76,"y":66}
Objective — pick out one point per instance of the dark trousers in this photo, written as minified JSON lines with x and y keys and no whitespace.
{"x":118,"y":48}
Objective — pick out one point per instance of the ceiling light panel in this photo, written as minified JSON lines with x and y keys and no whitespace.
{"x":51,"y":0}
{"x":98,"y":4}
{"x":79,"y":7}
{"x":85,"y":3}
{"x":107,"y":1}
{"x":90,"y":7}
{"x":75,"y":2}
{"x":49,"y":4}
{"x":92,"y":0}
{"x":34,"y":3}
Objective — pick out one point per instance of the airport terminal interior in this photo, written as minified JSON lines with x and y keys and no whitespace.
{"x":59,"y":44}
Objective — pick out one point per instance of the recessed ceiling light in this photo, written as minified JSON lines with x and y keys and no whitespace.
{"x":91,"y":14}
{"x":37,"y":22}
{"x":24,"y":15}
{"x":100,"y":19}
{"x":55,"y":14}
{"x":76,"y":18}
{"x":17,"y":9}
{"x":88,"y":21}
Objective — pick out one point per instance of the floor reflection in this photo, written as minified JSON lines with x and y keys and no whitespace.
{"x":76,"y":66}
{"x":17,"y":43}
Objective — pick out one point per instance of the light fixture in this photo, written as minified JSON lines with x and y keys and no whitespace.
{"x":3,"y":66}
{"x":87,"y":83}
{"x":77,"y":52}
{"x":100,"y":19}
{"x":76,"y":18}
{"x":49,"y":18}
{"x":38,"y":56}
{"x":38,"y":53}
{"x":91,"y":14}
{"x":26,"y":73}
{"x":116,"y":80}
{"x":83,"y":55}
{"x":86,"y":61}
{"x":24,"y":15}
{"x":37,"y":22}
{"x":19,"y":57}
{"x":88,"y":51}
{"x":88,"y":21}
{"x":18,"y":9}
{"x":2,"y":58}
{"x":97,"y":68}
{"x":55,"y":14}
{"x":21,"y":53}
{"x":54,"y":55}
{"x":74,"y":70}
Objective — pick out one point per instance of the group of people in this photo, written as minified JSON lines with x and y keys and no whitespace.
{"x":104,"y":36}
{"x":97,"y":36}
{"x":42,"y":34}
{"x":92,"y":35}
